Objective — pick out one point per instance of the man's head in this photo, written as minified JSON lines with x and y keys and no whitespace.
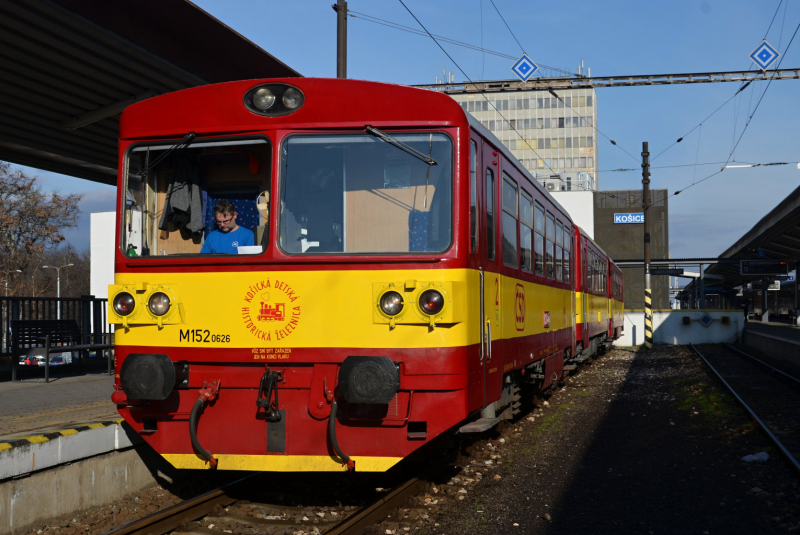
{"x":225,"y":214}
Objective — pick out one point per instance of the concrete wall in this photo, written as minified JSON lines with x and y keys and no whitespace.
{"x":103,"y":225}
{"x":774,"y":346}
{"x":580,"y":207}
{"x":51,"y":495}
{"x":668,"y":329}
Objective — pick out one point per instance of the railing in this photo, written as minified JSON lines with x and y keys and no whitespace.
{"x":89,"y":312}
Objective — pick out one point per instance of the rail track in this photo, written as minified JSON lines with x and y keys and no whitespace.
{"x":213,"y":506}
{"x":769,"y":395}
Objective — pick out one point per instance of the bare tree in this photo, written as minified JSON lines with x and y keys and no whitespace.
{"x":31,"y":222}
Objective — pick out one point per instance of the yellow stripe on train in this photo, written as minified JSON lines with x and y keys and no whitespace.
{"x":282,"y":463}
{"x":330,"y":309}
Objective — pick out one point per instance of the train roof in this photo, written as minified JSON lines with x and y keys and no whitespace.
{"x":485,"y":132}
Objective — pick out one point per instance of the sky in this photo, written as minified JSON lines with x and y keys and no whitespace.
{"x":610,"y":37}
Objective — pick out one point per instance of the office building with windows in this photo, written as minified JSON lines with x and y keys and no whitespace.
{"x":548,"y":135}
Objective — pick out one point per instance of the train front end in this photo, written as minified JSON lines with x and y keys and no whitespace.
{"x":288,"y":292}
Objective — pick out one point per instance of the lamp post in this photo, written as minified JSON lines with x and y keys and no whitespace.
{"x":7,"y":273}
{"x":5,"y":305}
{"x":58,"y":286}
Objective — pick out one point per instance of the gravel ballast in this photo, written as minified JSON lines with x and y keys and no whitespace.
{"x":637,"y":442}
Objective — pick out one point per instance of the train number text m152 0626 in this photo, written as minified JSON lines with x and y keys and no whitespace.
{"x":202,"y":336}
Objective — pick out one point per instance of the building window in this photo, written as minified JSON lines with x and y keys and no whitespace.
{"x":568,"y":100}
{"x":561,"y":122}
{"x":590,"y":141}
{"x":589,"y":100}
{"x":591,"y":161}
{"x":550,"y":246}
{"x":568,"y":161}
{"x":510,"y":253}
{"x":539,"y":238}
{"x":547,"y":123}
{"x":568,"y":142}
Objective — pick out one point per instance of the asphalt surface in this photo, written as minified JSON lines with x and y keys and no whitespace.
{"x":32,"y":405}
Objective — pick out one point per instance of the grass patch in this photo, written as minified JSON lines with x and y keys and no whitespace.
{"x":565,"y":406}
{"x":549,"y":424}
{"x":718,"y":410}
{"x":581,"y":394}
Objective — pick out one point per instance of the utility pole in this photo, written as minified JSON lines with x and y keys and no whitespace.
{"x":648,"y":298}
{"x":341,"y":38}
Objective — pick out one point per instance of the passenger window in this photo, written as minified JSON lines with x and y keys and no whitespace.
{"x":473,"y":202}
{"x":567,"y":238}
{"x":539,"y":239}
{"x":490,"y":214}
{"x":510,"y":253}
{"x":551,"y":246}
{"x":559,"y":251}
{"x":187,"y":198}
{"x":526,"y":232}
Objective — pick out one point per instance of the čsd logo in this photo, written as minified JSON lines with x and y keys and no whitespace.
{"x":519,"y":307}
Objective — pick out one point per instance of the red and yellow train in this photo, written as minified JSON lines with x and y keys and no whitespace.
{"x":407,"y":275}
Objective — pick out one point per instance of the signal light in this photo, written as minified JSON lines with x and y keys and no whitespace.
{"x":431,"y":302}
{"x":124,"y":303}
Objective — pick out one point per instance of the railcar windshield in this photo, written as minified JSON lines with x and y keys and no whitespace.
{"x":360,"y":194}
{"x":209,"y":197}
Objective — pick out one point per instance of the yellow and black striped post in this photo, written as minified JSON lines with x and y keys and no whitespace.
{"x":648,"y":296}
{"x":648,"y":319}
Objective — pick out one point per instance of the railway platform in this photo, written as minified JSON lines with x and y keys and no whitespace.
{"x":778,"y":340}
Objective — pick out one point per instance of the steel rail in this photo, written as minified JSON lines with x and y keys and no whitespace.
{"x":377,"y":511}
{"x":762,"y":363}
{"x":753,"y":415}
{"x":171,"y":518}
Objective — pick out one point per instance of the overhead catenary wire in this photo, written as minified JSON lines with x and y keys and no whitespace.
{"x":473,"y":83}
{"x":742,"y":88}
{"x":509,"y":27}
{"x":749,"y":119}
{"x":383,"y":22}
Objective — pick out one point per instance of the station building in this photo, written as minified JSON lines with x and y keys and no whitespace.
{"x":558,"y":134}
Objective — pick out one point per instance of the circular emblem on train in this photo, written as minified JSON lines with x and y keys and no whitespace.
{"x":271,"y":310}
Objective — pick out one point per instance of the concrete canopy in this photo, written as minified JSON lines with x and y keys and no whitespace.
{"x":71,"y":66}
{"x":777,"y":234}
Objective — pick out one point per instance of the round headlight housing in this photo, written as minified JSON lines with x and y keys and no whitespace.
{"x":391,"y":303}
{"x":124,"y":303}
{"x":263,"y":99}
{"x":273,"y":100}
{"x":292,"y":98}
{"x":159,"y":303}
{"x":431,"y":302}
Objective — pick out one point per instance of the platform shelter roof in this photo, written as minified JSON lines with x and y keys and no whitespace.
{"x":71,"y":66}
{"x":777,"y":234}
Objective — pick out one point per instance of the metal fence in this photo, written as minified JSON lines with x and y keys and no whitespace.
{"x":89,"y":312}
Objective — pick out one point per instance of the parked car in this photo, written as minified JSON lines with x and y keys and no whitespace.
{"x":55,"y":360}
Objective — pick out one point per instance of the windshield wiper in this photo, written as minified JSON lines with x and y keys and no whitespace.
{"x":182,"y":144}
{"x":400,"y":145}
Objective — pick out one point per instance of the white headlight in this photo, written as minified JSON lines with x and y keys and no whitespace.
{"x":263,"y":99}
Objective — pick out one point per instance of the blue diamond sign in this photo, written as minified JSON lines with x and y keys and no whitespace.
{"x":524,"y":68}
{"x":764,"y":55}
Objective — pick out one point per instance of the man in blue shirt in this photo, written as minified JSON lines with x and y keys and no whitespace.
{"x":230,"y":235}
